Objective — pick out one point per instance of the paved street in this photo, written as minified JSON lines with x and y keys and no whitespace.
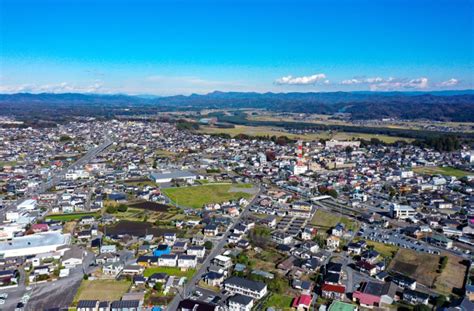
{"x":190,"y":286}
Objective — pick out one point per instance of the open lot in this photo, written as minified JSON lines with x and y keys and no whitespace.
{"x":451,"y":279}
{"x":279,"y":131}
{"x":383,"y":249}
{"x":198,"y":196}
{"x":326,"y":220}
{"x":279,"y":302}
{"x":104,"y":290}
{"x":420,"y":266}
{"x":439,"y":170}
{"x":152,"y":206}
{"x":170,"y":271}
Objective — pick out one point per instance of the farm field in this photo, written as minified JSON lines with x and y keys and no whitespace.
{"x":104,"y":290}
{"x":170,"y":271}
{"x":439,"y":170}
{"x":326,"y":220}
{"x":277,"y":131}
{"x":138,"y":228}
{"x":198,"y":196}
{"x":71,"y":216}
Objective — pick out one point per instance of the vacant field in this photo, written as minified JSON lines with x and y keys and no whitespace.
{"x":326,"y":220}
{"x":279,"y":302}
{"x":452,"y":277}
{"x":103,"y":290}
{"x":439,"y":170}
{"x":383,"y":249}
{"x":69,"y":217}
{"x":420,"y":266}
{"x":170,"y":271}
{"x":139,"y":182}
{"x":279,"y":131}
{"x":198,"y":196}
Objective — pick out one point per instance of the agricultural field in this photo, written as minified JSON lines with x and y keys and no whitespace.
{"x":439,"y":170}
{"x":138,"y":228}
{"x":198,"y":196}
{"x":170,"y":271}
{"x":70,"y":217}
{"x":326,"y":220}
{"x":279,"y":131}
{"x":104,"y":290}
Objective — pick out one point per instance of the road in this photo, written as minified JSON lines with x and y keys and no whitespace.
{"x":190,"y":286}
{"x":57,"y":177}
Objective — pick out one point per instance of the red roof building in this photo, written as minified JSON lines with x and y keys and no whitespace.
{"x":302,"y":303}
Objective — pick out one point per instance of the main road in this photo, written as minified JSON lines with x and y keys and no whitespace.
{"x":57,"y":177}
{"x":190,"y":286}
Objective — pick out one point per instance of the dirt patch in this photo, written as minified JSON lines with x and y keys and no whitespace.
{"x":136,"y":228}
{"x":420,"y":266}
{"x":452,"y":278}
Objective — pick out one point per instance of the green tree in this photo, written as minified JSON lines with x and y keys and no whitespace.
{"x":158,"y":287}
{"x":122,"y":208}
{"x":111,"y":209}
{"x":208,"y":245}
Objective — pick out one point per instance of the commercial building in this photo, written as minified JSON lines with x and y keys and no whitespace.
{"x":401,"y":211}
{"x":167,"y":177}
{"x":34,"y":244}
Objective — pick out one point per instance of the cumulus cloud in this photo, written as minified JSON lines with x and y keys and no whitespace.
{"x":303,"y":80}
{"x":362,"y":80}
{"x":63,"y":87}
{"x":393,"y":84}
{"x":450,"y":82}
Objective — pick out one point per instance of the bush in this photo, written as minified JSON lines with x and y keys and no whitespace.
{"x":111,"y":209}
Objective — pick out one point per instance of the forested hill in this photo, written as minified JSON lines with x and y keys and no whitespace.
{"x":446,"y":105}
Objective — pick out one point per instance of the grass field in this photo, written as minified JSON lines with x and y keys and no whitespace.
{"x":170,"y":271}
{"x":69,"y":217}
{"x":384,"y":249}
{"x":277,"y":131}
{"x":198,"y":196}
{"x":420,"y":266}
{"x":279,"y":302}
{"x":327,"y":220}
{"x":103,"y":290}
{"x":439,"y":170}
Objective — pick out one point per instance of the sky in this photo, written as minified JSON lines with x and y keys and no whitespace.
{"x":183,"y":47}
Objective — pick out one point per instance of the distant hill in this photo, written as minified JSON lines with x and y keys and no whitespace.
{"x":441,"y":105}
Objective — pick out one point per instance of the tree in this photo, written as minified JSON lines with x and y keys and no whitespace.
{"x":421,"y":307}
{"x":208,"y":245}
{"x":122,"y":208}
{"x":158,"y":287}
{"x":440,"y":301}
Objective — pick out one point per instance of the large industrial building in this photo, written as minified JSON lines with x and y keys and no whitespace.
{"x":34,"y":244}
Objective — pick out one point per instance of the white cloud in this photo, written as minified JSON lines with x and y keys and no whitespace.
{"x":393,"y":84}
{"x":63,"y":87}
{"x":450,"y":82}
{"x":304,"y":80}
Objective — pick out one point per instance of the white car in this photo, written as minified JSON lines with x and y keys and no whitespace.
{"x":2,"y":301}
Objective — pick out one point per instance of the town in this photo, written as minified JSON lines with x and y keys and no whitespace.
{"x":128,"y":214}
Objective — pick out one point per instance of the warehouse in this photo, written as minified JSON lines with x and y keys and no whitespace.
{"x":167,"y":177}
{"x":34,"y":244}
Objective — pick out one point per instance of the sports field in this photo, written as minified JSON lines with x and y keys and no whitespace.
{"x":440,"y":170}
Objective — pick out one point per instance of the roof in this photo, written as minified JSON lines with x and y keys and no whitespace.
{"x":241,"y":299}
{"x":125,"y":304}
{"x":341,"y":306}
{"x":378,"y":289}
{"x":246,"y":283}
{"x":172,"y":175}
{"x":334,"y":288}
{"x":35,"y":240}
{"x":87,"y":303}
{"x":302,"y":300}
{"x":195,"y":305}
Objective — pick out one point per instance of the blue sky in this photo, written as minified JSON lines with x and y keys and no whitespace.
{"x":183,"y":47}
